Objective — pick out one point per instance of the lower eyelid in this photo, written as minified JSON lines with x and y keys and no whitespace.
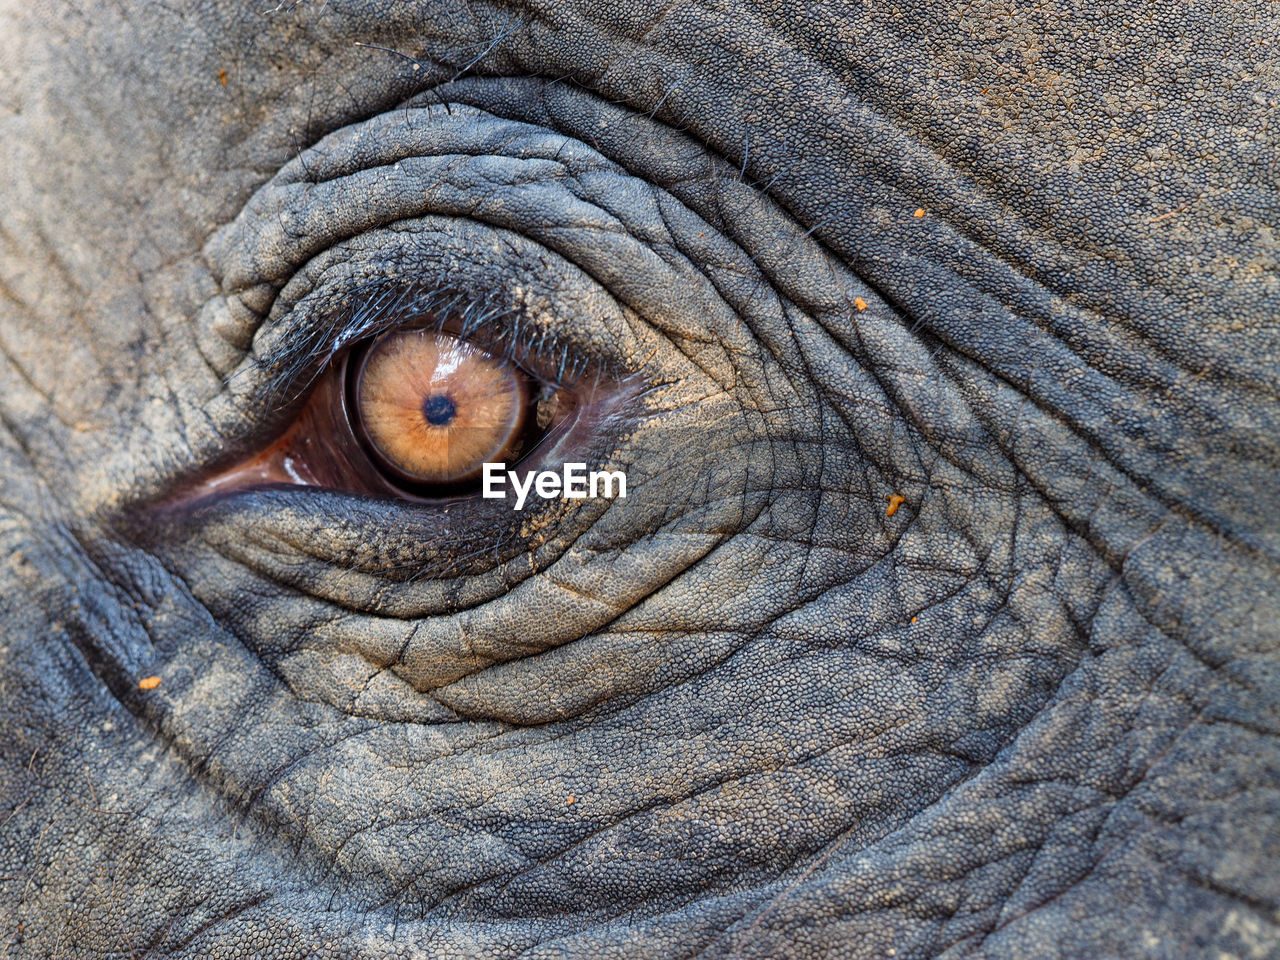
{"x":417,"y":557}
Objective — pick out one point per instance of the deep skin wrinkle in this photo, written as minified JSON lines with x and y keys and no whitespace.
{"x":939,"y":616}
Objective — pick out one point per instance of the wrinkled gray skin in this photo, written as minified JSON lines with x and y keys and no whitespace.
{"x":744,"y":712}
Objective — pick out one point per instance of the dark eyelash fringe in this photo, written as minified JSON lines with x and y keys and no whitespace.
{"x":308,"y":342}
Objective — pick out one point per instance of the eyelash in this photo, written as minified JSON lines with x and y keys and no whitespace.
{"x":315,"y":339}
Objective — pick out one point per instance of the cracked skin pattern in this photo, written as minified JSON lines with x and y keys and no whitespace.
{"x":745,"y":712}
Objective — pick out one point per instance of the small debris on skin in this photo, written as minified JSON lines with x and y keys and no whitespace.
{"x":895,"y":502}
{"x":222,"y":77}
{"x":571,"y":799}
{"x":913,"y":619}
{"x":919,"y":213}
{"x":148,"y":683}
{"x":859,"y":304}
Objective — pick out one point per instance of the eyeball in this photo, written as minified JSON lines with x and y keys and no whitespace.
{"x":433,"y":409}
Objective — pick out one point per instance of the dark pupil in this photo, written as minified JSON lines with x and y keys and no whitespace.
{"x":438,"y":409}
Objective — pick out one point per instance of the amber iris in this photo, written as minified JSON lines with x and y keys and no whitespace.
{"x":435,"y":408}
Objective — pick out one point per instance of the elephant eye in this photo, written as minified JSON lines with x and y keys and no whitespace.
{"x":433,"y":408}
{"x":416,"y":412}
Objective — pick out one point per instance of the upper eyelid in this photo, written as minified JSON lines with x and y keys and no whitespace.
{"x":259,"y":253}
{"x":360,"y":172}
{"x":256,"y":257}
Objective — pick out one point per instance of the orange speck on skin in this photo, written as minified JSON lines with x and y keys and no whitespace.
{"x":571,"y":799}
{"x":148,"y":683}
{"x":222,"y":77}
{"x":913,"y":619}
{"x":919,"y":213}
{"x":860,"y":304}
{"x":895,"y":502}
